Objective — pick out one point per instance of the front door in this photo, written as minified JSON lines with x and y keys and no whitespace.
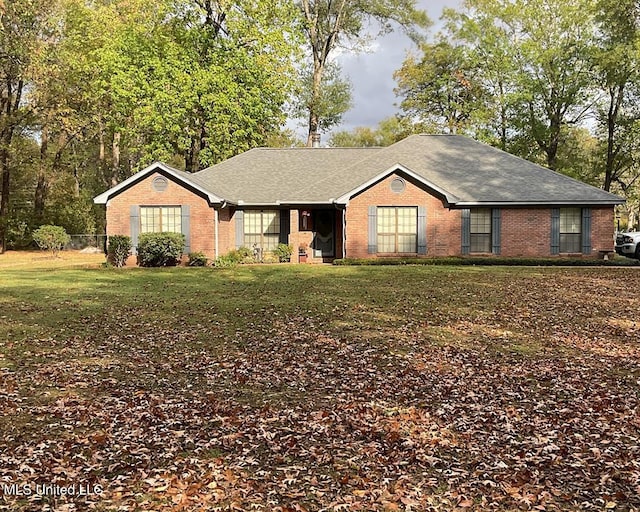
{"x":324,"y":243}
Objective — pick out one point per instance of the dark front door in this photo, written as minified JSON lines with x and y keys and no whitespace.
{"x":324,"y":239}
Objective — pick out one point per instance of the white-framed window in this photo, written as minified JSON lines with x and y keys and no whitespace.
{"x":570,"y":229}
{"x":262,"y":229}
{"x":397,"y":229}
{"x":480,"y":230}
{"x":160,"y":219}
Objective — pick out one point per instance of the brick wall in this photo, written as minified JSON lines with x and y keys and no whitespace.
{"x":525,"y":232}
{"x":443,"y":225}
{"x":143,"y":194}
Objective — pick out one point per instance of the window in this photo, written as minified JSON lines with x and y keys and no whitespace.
{"x":570,"y":230}
{"x":159,"y":219}
{"x":397,"y":229}
{"x":480,"y":232}
{"x":262,"y":229}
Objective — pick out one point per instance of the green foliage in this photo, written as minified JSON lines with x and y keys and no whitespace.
{"x":119,"y":249}
{"x":234,"y":258}
{"x":283,"y":252}
{"x":160,"y":249}
{"x":197,"y":259}
{"x":51,"y":238}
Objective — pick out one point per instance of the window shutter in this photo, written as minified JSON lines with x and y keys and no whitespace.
{"x":466,"y":231}
{"x":422,"y":230}
{"x":496,"y":226}
{"x":239,"y":215}
{"x":586,"y":230}
{"x":285,"y":225}
{"x":555,"y":231}
{"x":134,"y":227}
{"x":372,"y":247}
{"x":186,"y":227}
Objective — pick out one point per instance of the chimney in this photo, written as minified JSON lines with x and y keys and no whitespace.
{"x":315,"y":140}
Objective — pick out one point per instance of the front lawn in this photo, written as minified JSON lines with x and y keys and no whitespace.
{"x":292,"y":388}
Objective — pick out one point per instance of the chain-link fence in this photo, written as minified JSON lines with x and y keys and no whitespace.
{"x":82,"y":242}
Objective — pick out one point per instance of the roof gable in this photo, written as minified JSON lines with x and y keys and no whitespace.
{"x":182,"y":178}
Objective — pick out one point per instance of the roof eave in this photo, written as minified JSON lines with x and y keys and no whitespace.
{"x":154,"y":167}
{"x":448,"y":197}
{"x":502,"y":204}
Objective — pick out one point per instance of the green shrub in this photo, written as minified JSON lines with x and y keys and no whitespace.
{"x":283,"y":252}
{"x":197,"y":259}
{"x":119,"y":250}
{"x":235,"y":257}
{"x":51,"y":238}
{"x":160,"y":249}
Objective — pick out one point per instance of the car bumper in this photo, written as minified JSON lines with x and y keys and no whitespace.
{"x":626,"y":249}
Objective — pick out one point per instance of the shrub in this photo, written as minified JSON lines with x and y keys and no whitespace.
{"x":235,"y":257}
{"x":197,"y":259}
{"x":283,"y":252}
{"x":160,"y":249}
{"x":119,"y":250}
{"x":51,"y":238}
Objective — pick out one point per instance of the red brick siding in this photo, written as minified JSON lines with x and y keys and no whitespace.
{"x":143,"y":194}
{"x":525,"y":232}
{"x":443,"y":225}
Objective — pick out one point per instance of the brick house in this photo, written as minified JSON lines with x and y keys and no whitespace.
{"x":427,"y":195}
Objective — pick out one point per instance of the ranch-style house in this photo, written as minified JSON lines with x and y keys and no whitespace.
{"x":427,"y":195}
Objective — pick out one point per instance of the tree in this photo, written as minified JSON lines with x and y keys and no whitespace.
{"x":440,"y":89}
{"x":332,"y":23}
{"x":21,"y":26}
{"x":617,"y":59}
{"x":388,"y":131}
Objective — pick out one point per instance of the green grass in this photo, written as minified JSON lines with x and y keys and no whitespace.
{"x":320,"y":386}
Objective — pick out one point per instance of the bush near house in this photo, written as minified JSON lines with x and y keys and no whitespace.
{"x":160,"y":249}
{"x":283,"y":252}
{"x":197,"y":259}
{"x":118,"y":250}
{"x":51,"y":238}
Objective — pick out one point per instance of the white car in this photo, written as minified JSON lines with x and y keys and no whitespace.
{"x":628,"y":244}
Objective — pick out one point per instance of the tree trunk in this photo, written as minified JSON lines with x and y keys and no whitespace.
{"x":42,"y":185}
{"x":115,"y":159}
{"x":615,"y":101}
{"x":314,"y":117}
{"x":4,"y":194}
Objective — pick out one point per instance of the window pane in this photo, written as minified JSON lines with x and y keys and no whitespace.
{"x":156,"y":219}
{"x":171,"y":219}
{"x":570,"y":242}
{"x":386,"y":220}
{"x":407,"y":243}
{"x":262,"y":229}
{"x":481,"y":220}
{"x":397,"y":229}
{"x":386,"y":243}
{"x":570,"y":220}
{"x":480,"y":242}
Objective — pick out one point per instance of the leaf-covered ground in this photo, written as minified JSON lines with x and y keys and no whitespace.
{"x":319,"y":388}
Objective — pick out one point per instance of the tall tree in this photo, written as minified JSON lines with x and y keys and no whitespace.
{"x":441,"y":88}
{"x":332,"y":23}
{"x":21,"y":26}
{"x":617,"y":60}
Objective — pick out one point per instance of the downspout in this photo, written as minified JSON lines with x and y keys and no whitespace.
{"x":344,"y":232}
{"x":216,"y":219}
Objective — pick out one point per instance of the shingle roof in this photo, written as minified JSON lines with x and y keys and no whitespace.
{"x":465,"y":171}
{"x":462,"y":171}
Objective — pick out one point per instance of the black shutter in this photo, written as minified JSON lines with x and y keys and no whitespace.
{"x":372,"y":230}
{"x":496,"y":226}
{"x":466,"y":231}
{"x":555,"y":231}
{"x":586,"y":230}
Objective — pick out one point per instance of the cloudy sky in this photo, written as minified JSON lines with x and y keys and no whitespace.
{"x":371,"y":75}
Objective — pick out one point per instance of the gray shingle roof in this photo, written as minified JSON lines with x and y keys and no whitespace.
{"x":466,"y":171}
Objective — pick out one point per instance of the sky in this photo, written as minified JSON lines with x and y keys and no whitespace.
{"x":371,"y":74}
